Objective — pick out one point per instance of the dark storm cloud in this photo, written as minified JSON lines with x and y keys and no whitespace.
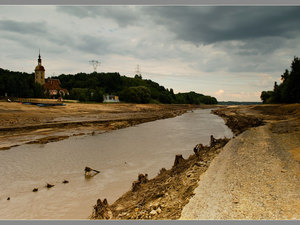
{"x":123,"y":16}
{"x":23,"y":27}
{"x":207,"y":25}
{"x":259,"y":46}
{"x":262,"y":30}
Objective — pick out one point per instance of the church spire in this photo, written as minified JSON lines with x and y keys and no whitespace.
{"x":40,"y":60}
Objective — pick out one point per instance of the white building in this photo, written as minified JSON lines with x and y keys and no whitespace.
{"x":110,"y":98}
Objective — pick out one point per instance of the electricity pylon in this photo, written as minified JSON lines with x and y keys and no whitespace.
{"x":138,"y":70}
{"x":95,"y":64}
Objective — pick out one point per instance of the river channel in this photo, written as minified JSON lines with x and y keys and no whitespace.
{"x":120,"y":155}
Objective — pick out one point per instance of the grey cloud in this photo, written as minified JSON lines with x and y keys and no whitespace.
{"x":62,"y":39}
{"x":22,"y":40}
{"x":262,"y":30}
{"x":37,"y":32}
{"x":206,"y":25}
{"x":91,"y":44}
{"x":123,"y":15}
{"x":23,"y":27}
{"x":260,"y":46}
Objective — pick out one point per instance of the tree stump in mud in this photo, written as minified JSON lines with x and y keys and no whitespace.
{"x":105,"y":202}
{"x":178,"y":159}
{"x":162,"y":170}
{"x":102,"y":210}
{"x":197,"y":149}
{"x":212,"y":141}
{"x":49,"y":185}
{"x":135,"y":186}
{"x":142,"y":179}
{"x":88,"y":172}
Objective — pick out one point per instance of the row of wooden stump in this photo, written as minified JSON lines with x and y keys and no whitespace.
{"x":89,"y":172}
{"x":102,"y":208}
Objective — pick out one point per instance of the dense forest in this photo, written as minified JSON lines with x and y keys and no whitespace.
{"x":91,"y":87}
{"x":17,"y":84}
{"x":289,"y":89}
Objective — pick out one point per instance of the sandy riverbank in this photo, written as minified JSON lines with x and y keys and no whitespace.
{"x":255,"y":176}
{"x":20,"y":124}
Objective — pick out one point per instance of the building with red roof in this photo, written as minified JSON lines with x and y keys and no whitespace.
{"x":51,"y":86}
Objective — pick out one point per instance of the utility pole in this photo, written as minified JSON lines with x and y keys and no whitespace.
{"x":95,"y":64}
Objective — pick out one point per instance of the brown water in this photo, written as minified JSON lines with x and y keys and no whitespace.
{"x":120,"y":155}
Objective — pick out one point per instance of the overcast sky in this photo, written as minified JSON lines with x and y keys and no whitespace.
{"x":229,"y":52}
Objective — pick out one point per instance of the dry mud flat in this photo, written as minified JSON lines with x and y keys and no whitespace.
{"x":20,"y":124}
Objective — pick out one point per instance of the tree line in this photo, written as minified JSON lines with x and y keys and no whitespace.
{"x":91,"y":87}
{"x":289,"y":89}
{"x":18,"y":84}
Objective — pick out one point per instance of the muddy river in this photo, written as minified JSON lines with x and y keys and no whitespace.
{"x":120,"y":155}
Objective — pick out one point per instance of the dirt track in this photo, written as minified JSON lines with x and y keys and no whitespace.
{"x":257,"y":175}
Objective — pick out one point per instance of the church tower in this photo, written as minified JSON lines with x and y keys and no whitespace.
{"x":39,"y":72}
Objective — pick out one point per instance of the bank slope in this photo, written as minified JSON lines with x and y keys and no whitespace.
{"x":256,"y":176}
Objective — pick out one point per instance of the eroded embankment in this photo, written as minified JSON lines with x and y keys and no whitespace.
{"x":256,"y":176}
{"x":164,"y":196}
{"x":238,"y":122}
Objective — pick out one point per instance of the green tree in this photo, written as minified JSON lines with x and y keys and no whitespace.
{"x":289,"y":90}
{"x":266,"y":96}
{"x":138,"y":94}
